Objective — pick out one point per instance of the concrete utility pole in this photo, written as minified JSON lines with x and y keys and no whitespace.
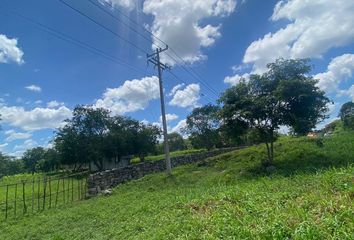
{"x":155,"y":59}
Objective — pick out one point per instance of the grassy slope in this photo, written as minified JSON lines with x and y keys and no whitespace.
{"x":172,"y":154}
{"x":310,"y":196}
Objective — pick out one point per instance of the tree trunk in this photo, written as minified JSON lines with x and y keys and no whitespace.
{"x":270,"y":147}
{"x":99,"y":165}
{"x":269,"y":160}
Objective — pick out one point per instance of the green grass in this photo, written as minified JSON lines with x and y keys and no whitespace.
{"x":172,"y":154}
{"x":25,"y":192}
{"x":309,"y":196}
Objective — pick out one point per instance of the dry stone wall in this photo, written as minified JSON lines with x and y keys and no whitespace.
{"x":98,"y":182}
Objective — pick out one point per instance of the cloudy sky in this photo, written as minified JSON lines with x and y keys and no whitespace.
{"x":54,"y":56}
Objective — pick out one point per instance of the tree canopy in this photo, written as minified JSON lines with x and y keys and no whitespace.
{"x":176,"y":142}
{"x":346,"y":114}
{"x":285,"y":95}
{"x":203,"y":127}
{"x":92,"y":135}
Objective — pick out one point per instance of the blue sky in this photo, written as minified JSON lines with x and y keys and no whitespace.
{"x":44,"y":75}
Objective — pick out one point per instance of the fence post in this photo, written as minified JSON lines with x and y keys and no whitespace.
{"x":44,"y":190}
{"x":78,"y":189}
{"x":24,"y":197}
{"x":38,"y":193}
{"x":68,"y":189}
{"x":6,"y":201}
{"x":72,"y":189}
{"x":15,"y":200}
{"x":85,"y":187}
{"x":50,"y":193}
{"x":64,"y":189}
{"x":32,"y":195}
{"x":56,"y":196}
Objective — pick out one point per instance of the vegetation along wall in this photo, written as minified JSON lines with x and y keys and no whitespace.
{"x":101,"y":181}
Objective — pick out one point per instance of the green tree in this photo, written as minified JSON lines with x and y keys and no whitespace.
{"x":203,"y":127}
{"x":176,"y":142}
{"x":93,"y":136}
{"x":82,"y":139}
{"x":31,"y":158}
{"x":346,"y":114}
{"x":10,"y":165}
{"x":146,"y":140}
{"x":127,"y":136}
{"x":67,"y":143}
{"x":50,"y":161}
{"x":284,"y":95}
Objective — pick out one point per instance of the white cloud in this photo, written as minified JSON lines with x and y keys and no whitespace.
{"x":3,"y":146}
{"x":13,"y":135}
{"x":128,"y":4}
{"x":239,"y":68}
{"x":187,"y":97}
{"x":339,"y":70}
{"x":34,"y":88}
{"x":169,"y":117}
{"x":9,"y":51}
{"x":315,"y":27}
{"x":54,"y":104}
{"x":178,"y":24}
{"x":332,"y":107}
{"x":350,"y":92}
{"x":234,"y":80}
{"x":133,"y":95}
{"x":180,"y":125}
{"x":175,"y":88}
{"x":35,"y":119}
{"x":20,"y":149}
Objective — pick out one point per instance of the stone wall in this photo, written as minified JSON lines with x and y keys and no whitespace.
{"x":100,"y":181}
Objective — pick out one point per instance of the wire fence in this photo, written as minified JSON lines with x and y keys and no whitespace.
{"x":41,"y":193}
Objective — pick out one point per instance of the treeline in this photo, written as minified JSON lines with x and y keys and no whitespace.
{"x":248,"y":113}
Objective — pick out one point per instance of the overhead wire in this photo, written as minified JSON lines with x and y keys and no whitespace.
{"x":183,"y":66}
{"x":79,"y":43}
{"x":102,"y":26}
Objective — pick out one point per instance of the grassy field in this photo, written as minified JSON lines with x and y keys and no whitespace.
{"x":309,"y":196}
{"x":172,"y":154}
{"x":26,"y":193}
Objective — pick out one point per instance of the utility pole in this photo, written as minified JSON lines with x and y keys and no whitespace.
{"x":155,"y":59}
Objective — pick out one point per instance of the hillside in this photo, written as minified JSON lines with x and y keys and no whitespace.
{"x":309,"y":195}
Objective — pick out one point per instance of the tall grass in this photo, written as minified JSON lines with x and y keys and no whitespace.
{"x":310,"y":195}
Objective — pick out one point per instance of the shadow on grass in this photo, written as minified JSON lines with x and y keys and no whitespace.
{"x":292,"y":156}
{"x":305,"y":156}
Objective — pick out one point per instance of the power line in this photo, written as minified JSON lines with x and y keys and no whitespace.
{"x":102,"y":26}
{"x":134,"y":45}
{"x":194,"y":74}
{"x":201,"y":94}
{"x":98,"y":5}
{"x":79,"y":43}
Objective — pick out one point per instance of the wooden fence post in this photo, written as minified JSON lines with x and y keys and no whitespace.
{"x":78,"y":189}
{"x":24,"y":197}
{"x":32,"y":195}
{"x":64,"y":189}
{"x":6,"y":201}
{"x":44,"y":191}
{"x":56,"y":196}
{"x":72,"y":189}
{"x":50,"y":193}
{"x":15,"y":200}
{"x":38,"y":194}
